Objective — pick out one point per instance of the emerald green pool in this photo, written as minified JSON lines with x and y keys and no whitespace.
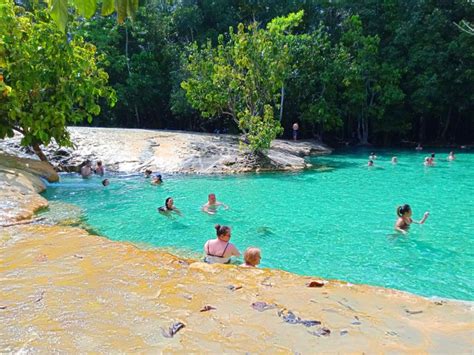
{"x":334,"y":221}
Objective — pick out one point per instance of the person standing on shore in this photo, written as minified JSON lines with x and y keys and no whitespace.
{"x":296,"y":127}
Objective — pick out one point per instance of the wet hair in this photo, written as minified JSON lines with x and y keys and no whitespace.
{"x":148,"y":171}
{"x":105,"y":181}
{"x":432,"y":155}
{"x":401,"y":210}
{"x":99,"y":163}
{"x":251,"y":256}
{"x":166,"y":202}
{"x":159,"y":177}
{"x":221,"y":230}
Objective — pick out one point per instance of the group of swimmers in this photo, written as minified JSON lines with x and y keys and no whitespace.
{"x":218,"y":250}
{"x":428,"y":161}
{"x":87,"y":171}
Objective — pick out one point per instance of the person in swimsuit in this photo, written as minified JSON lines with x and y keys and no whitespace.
{"x":372,"y":156}
{"x":219,"y":250}
{"x":211,"y":205}
{"x":419,"y":147}
{"x":157,"y":180}
{"x":295,"y":127}
{"x":86,"y":170}
{"x":451,"y":156}
{"x":370,"y":163}
{"x":404,"y":219}
{"x":169,"y":208}
{"x":99,"y":168}
{"x":252,"y":257}
{"x":394,"y":160}
{"x":147,"y":173}
{"x":105,"y":182}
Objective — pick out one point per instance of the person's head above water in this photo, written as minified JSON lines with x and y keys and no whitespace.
{"x":148,"y":172}
{"x":432,"y":155}
{"x":370,"y":163}
{"x":212,"y":198}
{"x":105,"y":182}
{"x":169,"y":203}
{"x":99,"y":163}
{"x":404,"y":210}
{"x":222,"y":232}
{"x":252,"y":256}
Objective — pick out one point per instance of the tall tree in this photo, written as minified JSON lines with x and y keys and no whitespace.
{"x":242,"y":77}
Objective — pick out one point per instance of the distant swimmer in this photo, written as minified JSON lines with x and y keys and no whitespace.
{"x":370,"y":163}
{"x":156,"y":180}
{"x":220,"y":250}
{"x":147,"y":173}
{"x":419,"y":147}
{"x":394,"y":160}
{"x":212,"y":204}
{"x":432,"y":159}
{"x":427,"y":161}
{"x":404,"y":219}
{"x":86,"y":170}
{"x":252,"y":257}
{"x":105,"y":182}
{"x":99,"y":168}
{"x":372,"y":156}
{"x":451,"y":156}
{"x":169,"y":208}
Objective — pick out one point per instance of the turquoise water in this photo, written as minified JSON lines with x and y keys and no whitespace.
{"x":335,"y":220}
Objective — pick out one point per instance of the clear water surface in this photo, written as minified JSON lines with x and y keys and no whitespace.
{"x":335,"y":220}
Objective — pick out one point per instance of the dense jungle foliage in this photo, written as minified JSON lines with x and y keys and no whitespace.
{"x":371,"y":71}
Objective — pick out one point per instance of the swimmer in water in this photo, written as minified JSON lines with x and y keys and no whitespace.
{"x":219,"y":250}
{"x":372,"y":156}
{"x":86,"y":170}
{"x":211,"y":205}
{"x":419,"y":147}
{"x":169,"y":208}
{"x":99,"y":168}
{"x":394,"y":160}
{"x":105,"y":182}
{"x":404,"y":219}
{"x":432,"y":159}
{"x":252,"y":257}
{"x":148,"y":173}
{"x":157,"y":180}
{"x":451,"y":156}
{"x":370,"y":163}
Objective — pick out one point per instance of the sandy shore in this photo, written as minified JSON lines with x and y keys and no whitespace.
{"x":64,"y":290}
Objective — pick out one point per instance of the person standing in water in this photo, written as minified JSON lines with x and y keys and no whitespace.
{"x":86,"y":170}
{"x":169,"y":208}
{"x":211,"y":205}
{"x":394,"y":160}
{"x":220,"y":250}
{"x":99,"y":168}
{"x":451,"y":156}
{"x":404,"y":219}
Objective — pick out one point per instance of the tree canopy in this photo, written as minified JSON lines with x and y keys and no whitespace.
{"x":49,"y":81}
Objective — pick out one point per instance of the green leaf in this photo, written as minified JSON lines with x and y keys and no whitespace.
{"x":86,"y":8}
{"x":121,"y":7}
{"x":107,"y":7}
{"x":59,"y":13}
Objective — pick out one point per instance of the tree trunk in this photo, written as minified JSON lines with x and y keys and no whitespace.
{"x":282,"y":101}
{"x":137,"y":116}
{"x":448,"y":120}
{"x":39,"y":152}
{"x":363,"y":130}
{"x":421,"y":133}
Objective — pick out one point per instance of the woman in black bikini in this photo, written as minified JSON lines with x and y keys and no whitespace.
{"x":168,"y":208}
{"x":219,"y":250}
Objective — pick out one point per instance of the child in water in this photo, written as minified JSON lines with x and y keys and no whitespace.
{"x":404,"y":219}
{"x":252,"y":257}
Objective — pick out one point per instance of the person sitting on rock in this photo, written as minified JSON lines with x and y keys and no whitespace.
{"x":99,"y":168}
{"x":252,"y":257}
{"x":211,"y":205}
{"x":86,"y":170}
{"x":219,"y":250}
{"x":169,"y":208}
{"x":157,"y":180}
